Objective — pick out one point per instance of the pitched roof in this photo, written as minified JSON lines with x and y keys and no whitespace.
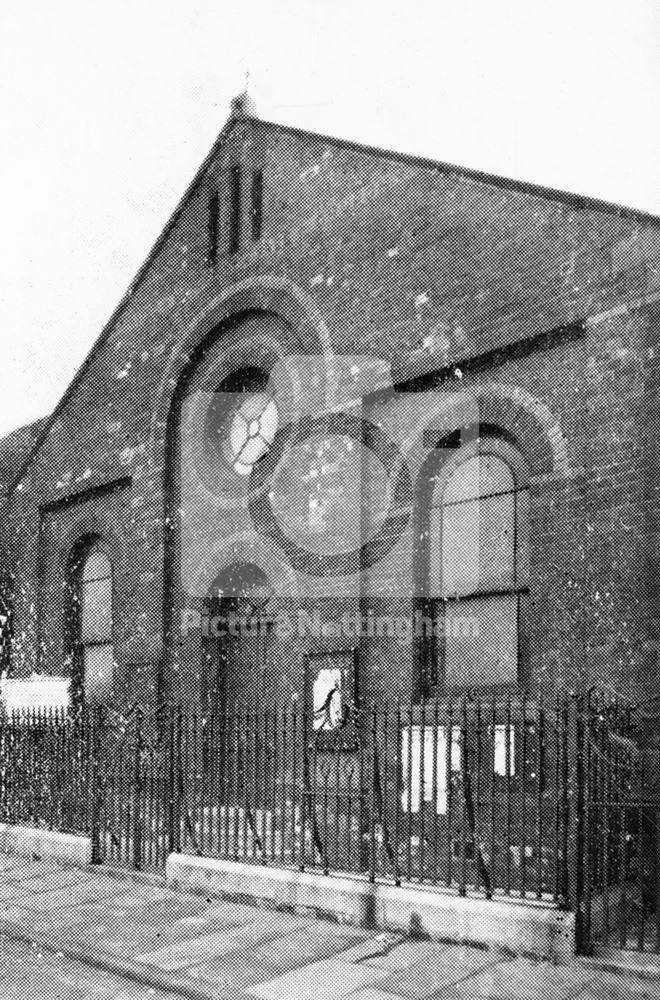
{"x":579,"y":202}
{"x":15,"y":448}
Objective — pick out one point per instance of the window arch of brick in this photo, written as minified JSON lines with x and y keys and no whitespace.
{"x":89,"y":625}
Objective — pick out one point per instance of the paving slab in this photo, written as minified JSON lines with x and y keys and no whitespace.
{"x":408,"y":953}
{"x":440,"y":968}
{"x":522,"y":979}
{"x":36,"y":885}
{"x":373,"y":993}
{"x":30,"y":909}
{"x":313,"y":943}
{"x":233,"y":976}
{"x":26,"y":973}
{"x":371,"y":948}
{"x":215,"y":917}
{"x":130,"y":938}
{"x":183,"y":954}
{"x":211,"y":948}
{"x":609,"y":987}
{"x":326,"y":980}
{"x":224,"y":944}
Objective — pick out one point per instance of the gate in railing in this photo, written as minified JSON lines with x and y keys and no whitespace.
{"x":519,"y":797}
{"x":618,"y":847}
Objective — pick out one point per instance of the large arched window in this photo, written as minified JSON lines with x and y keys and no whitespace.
{"x":91,"y":623}
{"x":478,"y":567}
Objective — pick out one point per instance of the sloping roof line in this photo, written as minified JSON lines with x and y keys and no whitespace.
{"x":14,"y":446}
{"x":579,"y":202}
{"x":121,"y":305}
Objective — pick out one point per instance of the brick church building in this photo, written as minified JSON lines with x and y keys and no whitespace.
{"x":348,"y":394}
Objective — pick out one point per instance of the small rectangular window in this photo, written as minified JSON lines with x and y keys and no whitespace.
{"x":257,"y":203}
{"x":235,"y":203}
{"x":214,"y":212}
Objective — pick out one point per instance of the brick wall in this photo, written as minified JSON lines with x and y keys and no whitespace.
{"x":427,"y":268}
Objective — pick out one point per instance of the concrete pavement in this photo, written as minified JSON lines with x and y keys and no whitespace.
{"x":170,"y":944}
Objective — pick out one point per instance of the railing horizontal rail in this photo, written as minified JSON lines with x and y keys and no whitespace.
{"x":544,"y":798}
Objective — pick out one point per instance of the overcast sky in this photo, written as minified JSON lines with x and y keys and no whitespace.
{"x":108,"y":109}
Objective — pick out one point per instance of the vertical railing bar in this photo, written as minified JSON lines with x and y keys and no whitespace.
{"x":606,"y":787}
{"x":587,"y":813}
{"x":274,"y":766}
{"x":296,"y":817}
{"x":264,"y":767}
{"x":337,"y":803}
{"x":313,"y":794}
{"x":422,"y":788}
{"x":463,"y":743}
{"x":449,"y":747}
{"x":507,"y":768}
{"x":641,"y":893}
{"x":434,"y":873}
{"x":397,"y":795}
{"x":372,"y":799}
{"x":409,"y":785}
{"x":207,"y":769}
{"x":656,"y":834}
{"x":623,"y":889}
{"x":284,"y":757}
{"x":540,"y":789}
{"x":523,"y":787}
{"x":478,"y":761}
{"x":236,"y":788}
{"x":386,"y":848}
{"x":137,"y":792}
{"x":304,"y":792}
{"x":326,"y":829}
{"x":565,"y":802}
{"x":95,"y":803}
{"x":493,"y":790}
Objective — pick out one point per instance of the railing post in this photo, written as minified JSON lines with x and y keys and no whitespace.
{"x":655,"y":831}
{"x":174,"y":763}
{"x":577,"y":827}
{"x":4,"y":764}
{"x":95,"y":720}
{"x":137,"y":793}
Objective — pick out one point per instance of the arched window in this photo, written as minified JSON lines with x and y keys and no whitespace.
{"x":92,"y":646}
{"x":478,"y":567}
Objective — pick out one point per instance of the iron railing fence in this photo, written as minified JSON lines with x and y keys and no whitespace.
{"x":46,"y":769}
{"x":532,"y":798}
{"x":618,"y":845}
{"x":467,"y":795}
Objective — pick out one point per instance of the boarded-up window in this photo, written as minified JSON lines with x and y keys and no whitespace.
{"x":93,"y":642}
{"x":478,"y":565}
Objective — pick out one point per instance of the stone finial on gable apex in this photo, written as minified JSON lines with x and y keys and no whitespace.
{"x":243,"y":106}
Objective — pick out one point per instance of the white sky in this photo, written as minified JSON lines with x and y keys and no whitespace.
{"x":108,"y":109}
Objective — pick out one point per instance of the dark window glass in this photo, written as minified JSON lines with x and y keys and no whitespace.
{"x":214,"y":211}
{"x":235,"y":203}
{"x":257,"y":203}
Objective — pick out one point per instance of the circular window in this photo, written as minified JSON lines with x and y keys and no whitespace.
{"x":242,"y":419}
{"x":251,"y":434}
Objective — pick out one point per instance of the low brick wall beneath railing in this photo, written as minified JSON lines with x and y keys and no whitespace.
{"x":535,"y":929}
{"x":37,"y":843}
